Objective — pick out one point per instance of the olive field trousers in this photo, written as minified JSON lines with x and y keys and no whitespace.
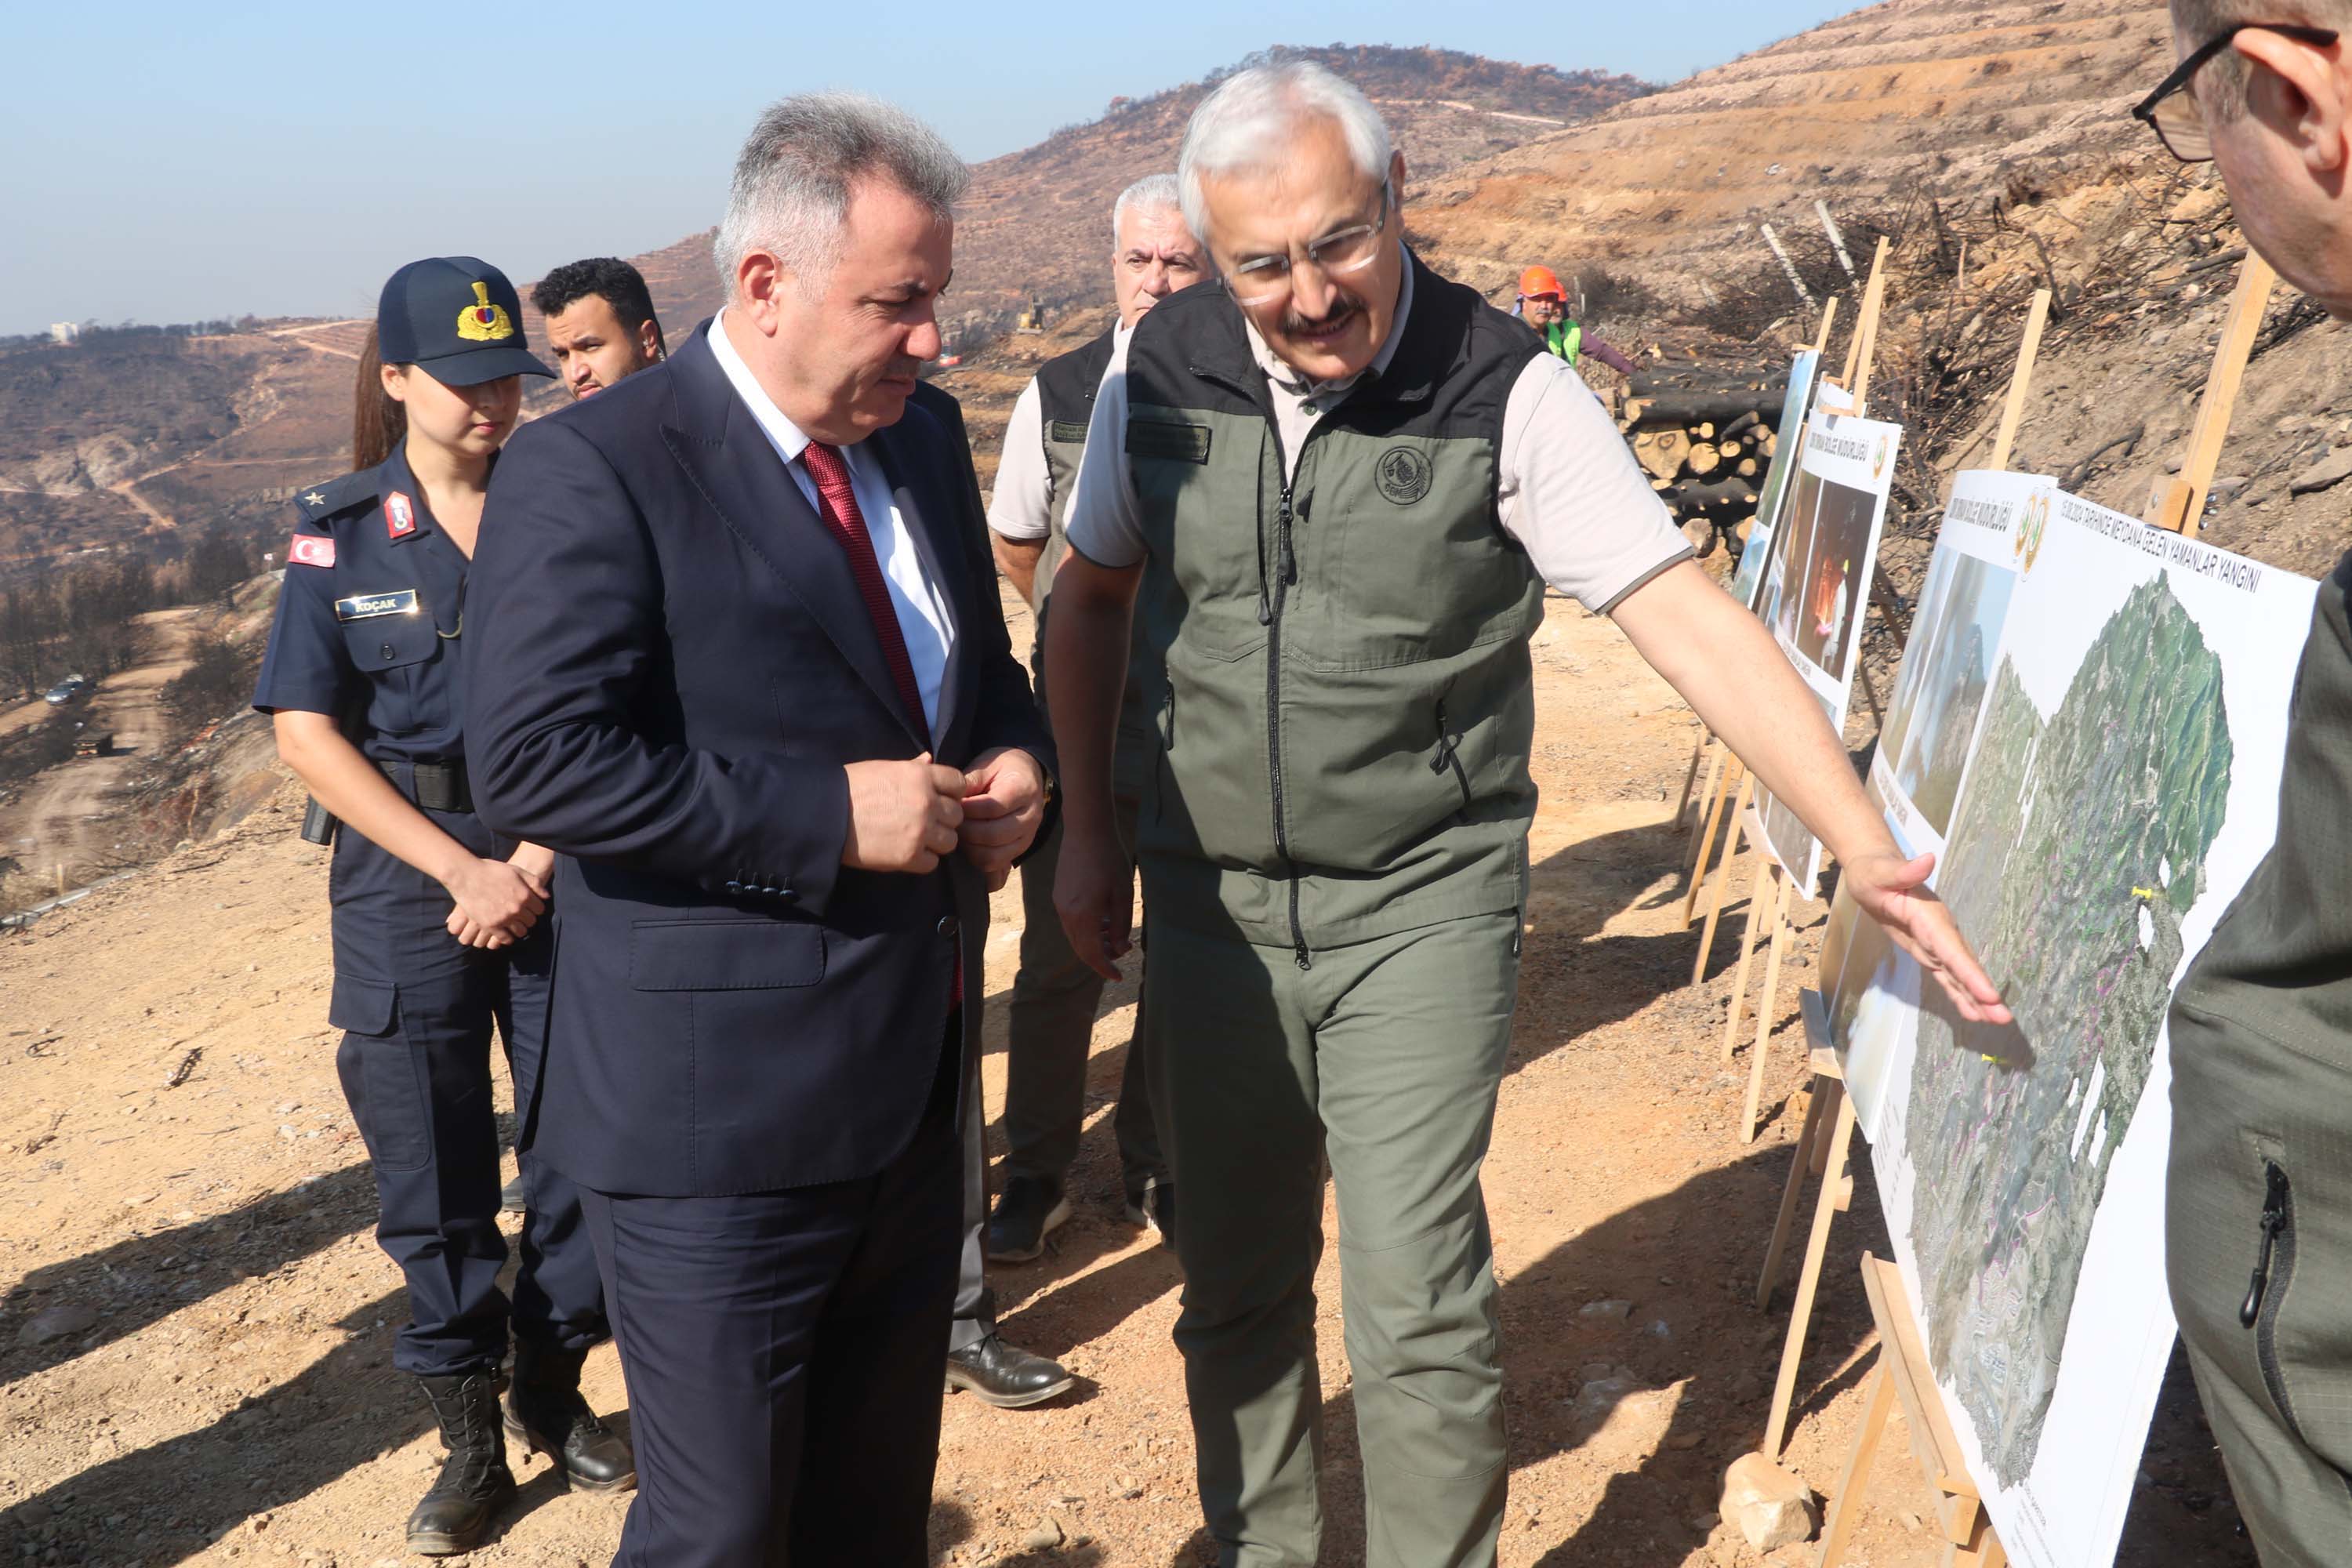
{"x":1384,"y":1058}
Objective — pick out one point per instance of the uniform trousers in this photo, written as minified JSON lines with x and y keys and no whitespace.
{"x":784,"y":1353}
{"x":1384,"y":1058}
{"x":1050,"y":1037}
{"x":2278,"y":1391}
{"x":417,"y":1009}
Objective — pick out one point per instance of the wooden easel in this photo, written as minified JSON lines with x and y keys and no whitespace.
{"x":1776,"y":888}
{"x":1859,"y":351}
{"x":1903,"y":1377}
{"x":2178,"y":502}
{"x":1699,"y":752}
{"x":1824,"y":1145}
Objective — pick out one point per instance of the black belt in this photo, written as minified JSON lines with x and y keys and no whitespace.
{"x":440,"y":786}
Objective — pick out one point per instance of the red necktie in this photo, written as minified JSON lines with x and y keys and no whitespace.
{"x":837,"y":506}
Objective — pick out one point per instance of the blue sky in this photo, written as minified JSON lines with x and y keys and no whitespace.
{"x":165,"y":163}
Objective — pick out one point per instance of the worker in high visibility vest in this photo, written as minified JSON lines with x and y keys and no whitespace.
{"x":1543,"y":305}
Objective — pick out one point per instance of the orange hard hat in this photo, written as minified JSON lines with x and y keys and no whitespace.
{"x":1537,"y":281}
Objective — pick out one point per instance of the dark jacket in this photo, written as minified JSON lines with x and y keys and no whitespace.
{"x":670,"y":663}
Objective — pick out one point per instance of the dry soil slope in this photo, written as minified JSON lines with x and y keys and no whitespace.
{"x":1950,"y":99}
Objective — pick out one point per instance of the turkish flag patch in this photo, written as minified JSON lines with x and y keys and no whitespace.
{"x":310,"y":550}
{"x":399,"y":516}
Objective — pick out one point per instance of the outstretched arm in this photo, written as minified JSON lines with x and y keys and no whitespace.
{"x":1732,"y":673}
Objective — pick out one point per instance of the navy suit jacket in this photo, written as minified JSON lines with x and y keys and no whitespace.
{"x":669,"y":664}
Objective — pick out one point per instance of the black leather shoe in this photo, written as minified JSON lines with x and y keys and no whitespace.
{"x":1027,"y":1212}
{"x":1008,"y":1378}
{"x":511,"y":1197}
{"x":546,"y":1415}
{"x":1155,"y":1206}
{"x":474,"y":1483}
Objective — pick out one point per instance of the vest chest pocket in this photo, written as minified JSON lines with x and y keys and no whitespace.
{"x":1417,"y":566}
{"x":400,"y":657}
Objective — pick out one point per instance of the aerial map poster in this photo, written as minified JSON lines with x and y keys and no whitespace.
{"x":2127,"y":691}
{"x":1790,"y":431}
{"x":1816,"y":586}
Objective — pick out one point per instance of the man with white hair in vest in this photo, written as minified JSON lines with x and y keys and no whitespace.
{"x":1330,"y":495}
{"x":1056,"y":992}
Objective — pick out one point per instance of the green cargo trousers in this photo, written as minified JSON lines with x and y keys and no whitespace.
{"x":2278,"y":1391}
{"x":1049,"y":1034}
{"x":1384,"y":1058}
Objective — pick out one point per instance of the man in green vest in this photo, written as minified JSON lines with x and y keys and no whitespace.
{"x":2258,"y":1202}
{"x":1329,"y":493}
{"x":1054,"y":992}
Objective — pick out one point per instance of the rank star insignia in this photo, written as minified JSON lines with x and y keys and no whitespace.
{"x":314,"y":499}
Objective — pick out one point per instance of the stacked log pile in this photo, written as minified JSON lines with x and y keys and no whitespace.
{"x":1704,"y":436}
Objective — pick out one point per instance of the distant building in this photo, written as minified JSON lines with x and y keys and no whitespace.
{"x":63,"y":331}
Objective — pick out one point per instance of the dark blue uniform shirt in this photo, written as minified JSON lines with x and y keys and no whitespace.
{"x":369,"y":617}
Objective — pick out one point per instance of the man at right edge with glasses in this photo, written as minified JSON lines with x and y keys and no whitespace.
{"x":2258,"y":1212}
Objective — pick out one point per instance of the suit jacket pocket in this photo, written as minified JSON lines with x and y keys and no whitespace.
{"x":724,"y":956}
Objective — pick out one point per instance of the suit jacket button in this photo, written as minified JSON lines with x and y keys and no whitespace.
{"x":388,"y":655}
{"x":734,"y":887}
{"x":770,"y":892}
{"x":947,"y":925}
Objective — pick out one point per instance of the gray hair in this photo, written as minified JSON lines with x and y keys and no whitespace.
{"x":1247,"y":124}
{"x":1151,"y":194}
{"x":2198,"y":20}
{"x":791,"y":193}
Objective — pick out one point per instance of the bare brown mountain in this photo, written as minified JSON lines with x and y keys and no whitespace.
{"x":1956,"y":100}
{"x":104,"y":444}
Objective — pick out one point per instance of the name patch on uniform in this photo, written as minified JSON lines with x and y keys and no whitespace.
{"x":1161,"y":438}
{"x":1067,"y":432}
{"x":399,"y":516}
{"x":310,"y":550}
{"x":367,"y":607}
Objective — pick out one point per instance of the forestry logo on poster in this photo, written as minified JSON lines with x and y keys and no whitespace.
{"x":2032,"y":525}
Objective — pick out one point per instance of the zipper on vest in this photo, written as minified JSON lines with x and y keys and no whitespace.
{"x":2273,"y":1222}
{"x":1448,"y":749}
{"x":1284,"y":571}
{"x":2266,"y":1293}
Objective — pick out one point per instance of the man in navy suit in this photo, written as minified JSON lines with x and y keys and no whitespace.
{"x":738,"y":658}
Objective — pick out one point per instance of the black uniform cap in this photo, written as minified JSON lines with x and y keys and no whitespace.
{"x":458,"y":318}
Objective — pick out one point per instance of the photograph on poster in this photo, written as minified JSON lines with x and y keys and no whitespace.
{"x":1794,"y":409}
{"x":1817,"y":585}
{"x":2121,"y":784}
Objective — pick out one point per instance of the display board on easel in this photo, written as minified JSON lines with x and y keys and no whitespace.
{"x":2021,"y":1169}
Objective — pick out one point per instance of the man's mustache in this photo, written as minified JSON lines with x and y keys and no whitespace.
{"x":1342,"y":309}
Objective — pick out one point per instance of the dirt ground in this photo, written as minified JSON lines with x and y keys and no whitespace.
{"x":196,"y":1326}
{"x":62,"y":819}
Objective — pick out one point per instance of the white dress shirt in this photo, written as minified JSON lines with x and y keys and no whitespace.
{"x":923,"y":619}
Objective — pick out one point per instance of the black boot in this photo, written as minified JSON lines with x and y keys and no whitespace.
{"x":475,"y":1482}
{"x":547,"y":1415}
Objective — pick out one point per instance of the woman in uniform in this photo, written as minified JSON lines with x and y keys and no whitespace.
{"x":440,"y":929}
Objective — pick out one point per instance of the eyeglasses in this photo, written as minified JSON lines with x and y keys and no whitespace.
{"x":2171,"y":111}
{"x":1335,"y":256}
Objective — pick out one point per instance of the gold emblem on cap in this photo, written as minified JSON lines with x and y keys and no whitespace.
{"x":482,"y":322}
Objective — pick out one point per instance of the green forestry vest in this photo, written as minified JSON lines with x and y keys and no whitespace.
{"x":1065,"y":401}
{"x":1565,"y":338}
{"x":1340,"y":691}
